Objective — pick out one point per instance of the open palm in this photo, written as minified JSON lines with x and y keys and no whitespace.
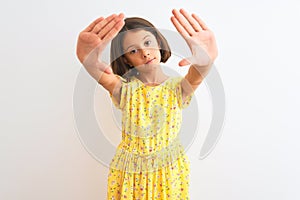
{"x":199,"y":38}
{"x":93,"y":40}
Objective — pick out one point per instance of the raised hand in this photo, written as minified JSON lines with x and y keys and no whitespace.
{"x":93,"y":40}
{"x":198,"y":36}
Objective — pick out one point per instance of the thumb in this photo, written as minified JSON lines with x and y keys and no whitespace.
{"x":186,"y":61}
{"x":108,"y":70}
{"x":183,"y":62}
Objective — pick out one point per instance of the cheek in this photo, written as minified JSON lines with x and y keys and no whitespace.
{"x":155,"y":51}
{"x":134,"y":60}
{"x":130,"y":57}
{"x":158,"y":54}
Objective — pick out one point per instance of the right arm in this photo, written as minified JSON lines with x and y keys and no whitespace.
{"x":90,"y":45}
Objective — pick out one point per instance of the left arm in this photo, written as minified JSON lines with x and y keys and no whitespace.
{"x":202,"y":44}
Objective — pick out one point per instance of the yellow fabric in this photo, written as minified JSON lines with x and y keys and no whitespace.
{"x":150,"y":162}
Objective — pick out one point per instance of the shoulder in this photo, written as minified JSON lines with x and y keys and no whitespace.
{"x":175,"y":81}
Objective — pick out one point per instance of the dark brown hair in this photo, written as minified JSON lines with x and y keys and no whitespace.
{"x":116,"y":50}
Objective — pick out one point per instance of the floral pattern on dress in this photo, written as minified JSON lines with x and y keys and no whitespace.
{"x":150,"y":162}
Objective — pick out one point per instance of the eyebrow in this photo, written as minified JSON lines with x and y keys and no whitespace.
{"x":133,"y":44}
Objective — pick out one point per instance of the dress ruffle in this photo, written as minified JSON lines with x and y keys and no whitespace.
{"x":134,"y":163}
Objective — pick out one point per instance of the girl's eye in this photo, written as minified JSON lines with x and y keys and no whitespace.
{"x":133,"y":51}
{"x":148,"y":42}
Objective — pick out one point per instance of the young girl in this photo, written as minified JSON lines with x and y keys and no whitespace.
{"x":150,"y":162}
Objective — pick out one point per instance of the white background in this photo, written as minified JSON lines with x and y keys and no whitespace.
{"x":257,"y":156}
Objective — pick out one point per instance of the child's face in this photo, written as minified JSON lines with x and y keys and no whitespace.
{"x":141,"y":49}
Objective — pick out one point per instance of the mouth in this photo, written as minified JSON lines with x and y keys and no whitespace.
{"x":149,"y":61}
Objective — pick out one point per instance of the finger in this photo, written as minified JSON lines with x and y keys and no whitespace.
{"x":196,"y":26}
{"x":114,"y":31}
{"x":183,"y":21}
{"x":108,"y":70}
{"x":184,"y":62}
{"x":111,"y":26}
{"x":103,"y":67}
{"x":200,"y":21}
{"x":92,"y":25}
{"x":179,"y":28}
{"x":192,"y":60}
{"x":103,"y":23}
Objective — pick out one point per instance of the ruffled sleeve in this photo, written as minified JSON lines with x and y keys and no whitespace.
{"x":182,"y":103}
{"x":123,"y":92}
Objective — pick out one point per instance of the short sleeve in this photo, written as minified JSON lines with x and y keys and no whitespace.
{"x":123,"y":92}
{"x":186,"y":102}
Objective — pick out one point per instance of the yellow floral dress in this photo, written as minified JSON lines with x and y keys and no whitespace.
{"x":150,"y":162}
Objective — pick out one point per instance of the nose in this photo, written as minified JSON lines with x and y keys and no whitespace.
{"x":145,"y":53}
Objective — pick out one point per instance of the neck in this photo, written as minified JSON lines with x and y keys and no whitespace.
{"x":153,"y":76}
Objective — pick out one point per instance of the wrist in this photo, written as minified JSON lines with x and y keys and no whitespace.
{"x":202,"y":70}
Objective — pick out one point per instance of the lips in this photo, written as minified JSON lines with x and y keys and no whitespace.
{"x":149,"y":61}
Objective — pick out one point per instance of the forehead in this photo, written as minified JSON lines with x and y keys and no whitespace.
{"x":135,"y":37}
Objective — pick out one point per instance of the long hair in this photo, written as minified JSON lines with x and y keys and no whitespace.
{"x":116,"y":50}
